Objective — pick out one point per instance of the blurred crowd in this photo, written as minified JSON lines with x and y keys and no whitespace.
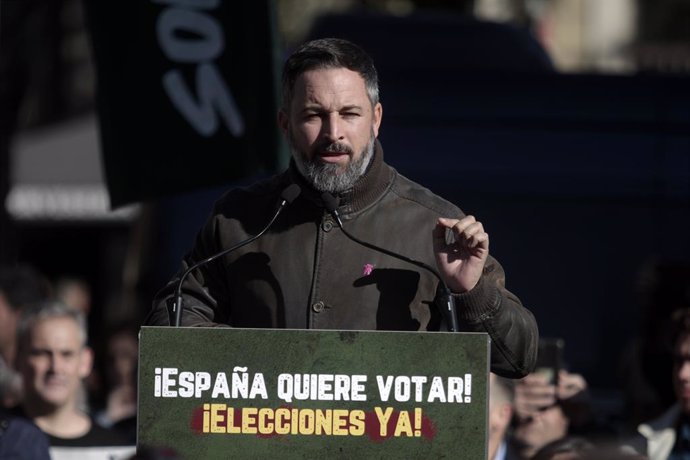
{"x":551,"y":414}
{"x":66,"y":394}
{"x":63,"y":393}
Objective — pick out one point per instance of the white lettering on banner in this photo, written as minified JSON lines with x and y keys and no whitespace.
{"x":170,"y":383}
{"x":205,"y":48}
{"x":186,"y":34}
{"x":321,"y":387}
{"x":406,"y":388}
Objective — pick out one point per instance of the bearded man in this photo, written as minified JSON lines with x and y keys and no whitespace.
{"x":305,"y":272}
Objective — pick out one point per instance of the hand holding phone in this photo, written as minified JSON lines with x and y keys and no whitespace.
{"x":550,"y":359}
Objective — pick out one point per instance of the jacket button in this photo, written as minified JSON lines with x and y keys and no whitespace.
{"x":318,"y":307}
{"x":327,"y":225}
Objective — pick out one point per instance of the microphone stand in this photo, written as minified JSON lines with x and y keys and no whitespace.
{"x":288,"y":195}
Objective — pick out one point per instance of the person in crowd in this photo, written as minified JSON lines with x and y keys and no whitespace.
{"x":20,"y":439}
{"x":501,"y":410}
{"x":53,"y":359}
{"x":667,"y":437}
{"x":119,"y":369}
{"x":546,"y":412}
{"x":20,"y":286}
{"x":661,"y":289}
{"x":306,"y":272}
{"x":74,"y":292}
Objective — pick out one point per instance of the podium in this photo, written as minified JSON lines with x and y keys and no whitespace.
{"x":266,"y":393}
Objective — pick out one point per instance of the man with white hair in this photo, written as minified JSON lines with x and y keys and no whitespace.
{"x":53,"y":359}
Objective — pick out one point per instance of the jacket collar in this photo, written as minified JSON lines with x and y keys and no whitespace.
{"x":661,"y":432}
{"x":368,"y":188}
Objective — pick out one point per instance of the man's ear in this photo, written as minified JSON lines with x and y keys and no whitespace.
{"x":378,"y":116}
{"x":283,"y":122}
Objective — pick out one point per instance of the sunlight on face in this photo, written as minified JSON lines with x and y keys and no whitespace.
{"x":331,"y":127}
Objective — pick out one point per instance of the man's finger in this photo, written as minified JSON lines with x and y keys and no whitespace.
{"x":457,"y":225}
{"x":474,"y":235}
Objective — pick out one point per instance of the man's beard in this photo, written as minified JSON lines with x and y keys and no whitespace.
{"x":330,"y":177}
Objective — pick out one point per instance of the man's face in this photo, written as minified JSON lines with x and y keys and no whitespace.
{"x":500,"y":414}
{"x":543,"y":427}
{"x":53,"y":362}
{"x":681,"y":371}
{"x":331,"y":127}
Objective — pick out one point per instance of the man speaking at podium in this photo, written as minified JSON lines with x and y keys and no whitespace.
{"x":357,"y":245}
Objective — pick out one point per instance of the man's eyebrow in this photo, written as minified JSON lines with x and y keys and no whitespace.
{"x":37,"y":349}
{"x":350,"y":107}
{"x":312,"y":108}
{"x":320,"y":108}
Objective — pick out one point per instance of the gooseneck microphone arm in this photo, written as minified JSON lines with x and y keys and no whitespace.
{"x":289,"y":194}
{"x":447,"y":302}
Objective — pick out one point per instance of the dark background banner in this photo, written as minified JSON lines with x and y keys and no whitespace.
{"x":186,"y":93}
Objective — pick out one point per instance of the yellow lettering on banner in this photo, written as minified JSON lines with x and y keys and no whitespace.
{"x":418,"y":421}
{"x":282,"y":421}
{"x":207,"y":419}
{"x":357,"y":418}
{"x":249,"y":418}
{"x":232,"y":427}
{"x":220,"y":418}
{"x":265,"y":421}
{"x":324,"y":422}
{"x":404,"y":425}
{"x":306,"y":422}
{"x":217,"y":418}
{"x":383,"y":419}
{"x":295,"y":422}
{"x":340,"y":422}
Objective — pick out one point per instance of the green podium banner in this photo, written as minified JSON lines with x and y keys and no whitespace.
{"x":266,"y":393}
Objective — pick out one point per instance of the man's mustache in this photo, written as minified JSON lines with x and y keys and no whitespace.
{"x":333,"y":147}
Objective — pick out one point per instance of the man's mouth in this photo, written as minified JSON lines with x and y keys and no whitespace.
{"x":332,"y":156}
{"x":54,"y":383}
{"x":333,"y":153}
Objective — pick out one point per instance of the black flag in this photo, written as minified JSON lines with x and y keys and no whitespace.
{"x":187,"y":93}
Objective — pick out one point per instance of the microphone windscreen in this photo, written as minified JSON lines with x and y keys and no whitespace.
{"x":291,"y":192}
{"x":329,"y":202}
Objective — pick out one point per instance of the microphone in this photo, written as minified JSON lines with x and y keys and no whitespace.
{"x":446,"y":303}
{"x":288,"y":195}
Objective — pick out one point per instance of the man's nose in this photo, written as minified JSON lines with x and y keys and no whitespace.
{"x":56,"y":362}
{"x":52,"y":362}
{"x":331,"y":127}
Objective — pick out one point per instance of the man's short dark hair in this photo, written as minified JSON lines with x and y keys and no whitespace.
{"x":23,"y":286}
{"x":680,"y":326}
{"x":329,"y":53}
